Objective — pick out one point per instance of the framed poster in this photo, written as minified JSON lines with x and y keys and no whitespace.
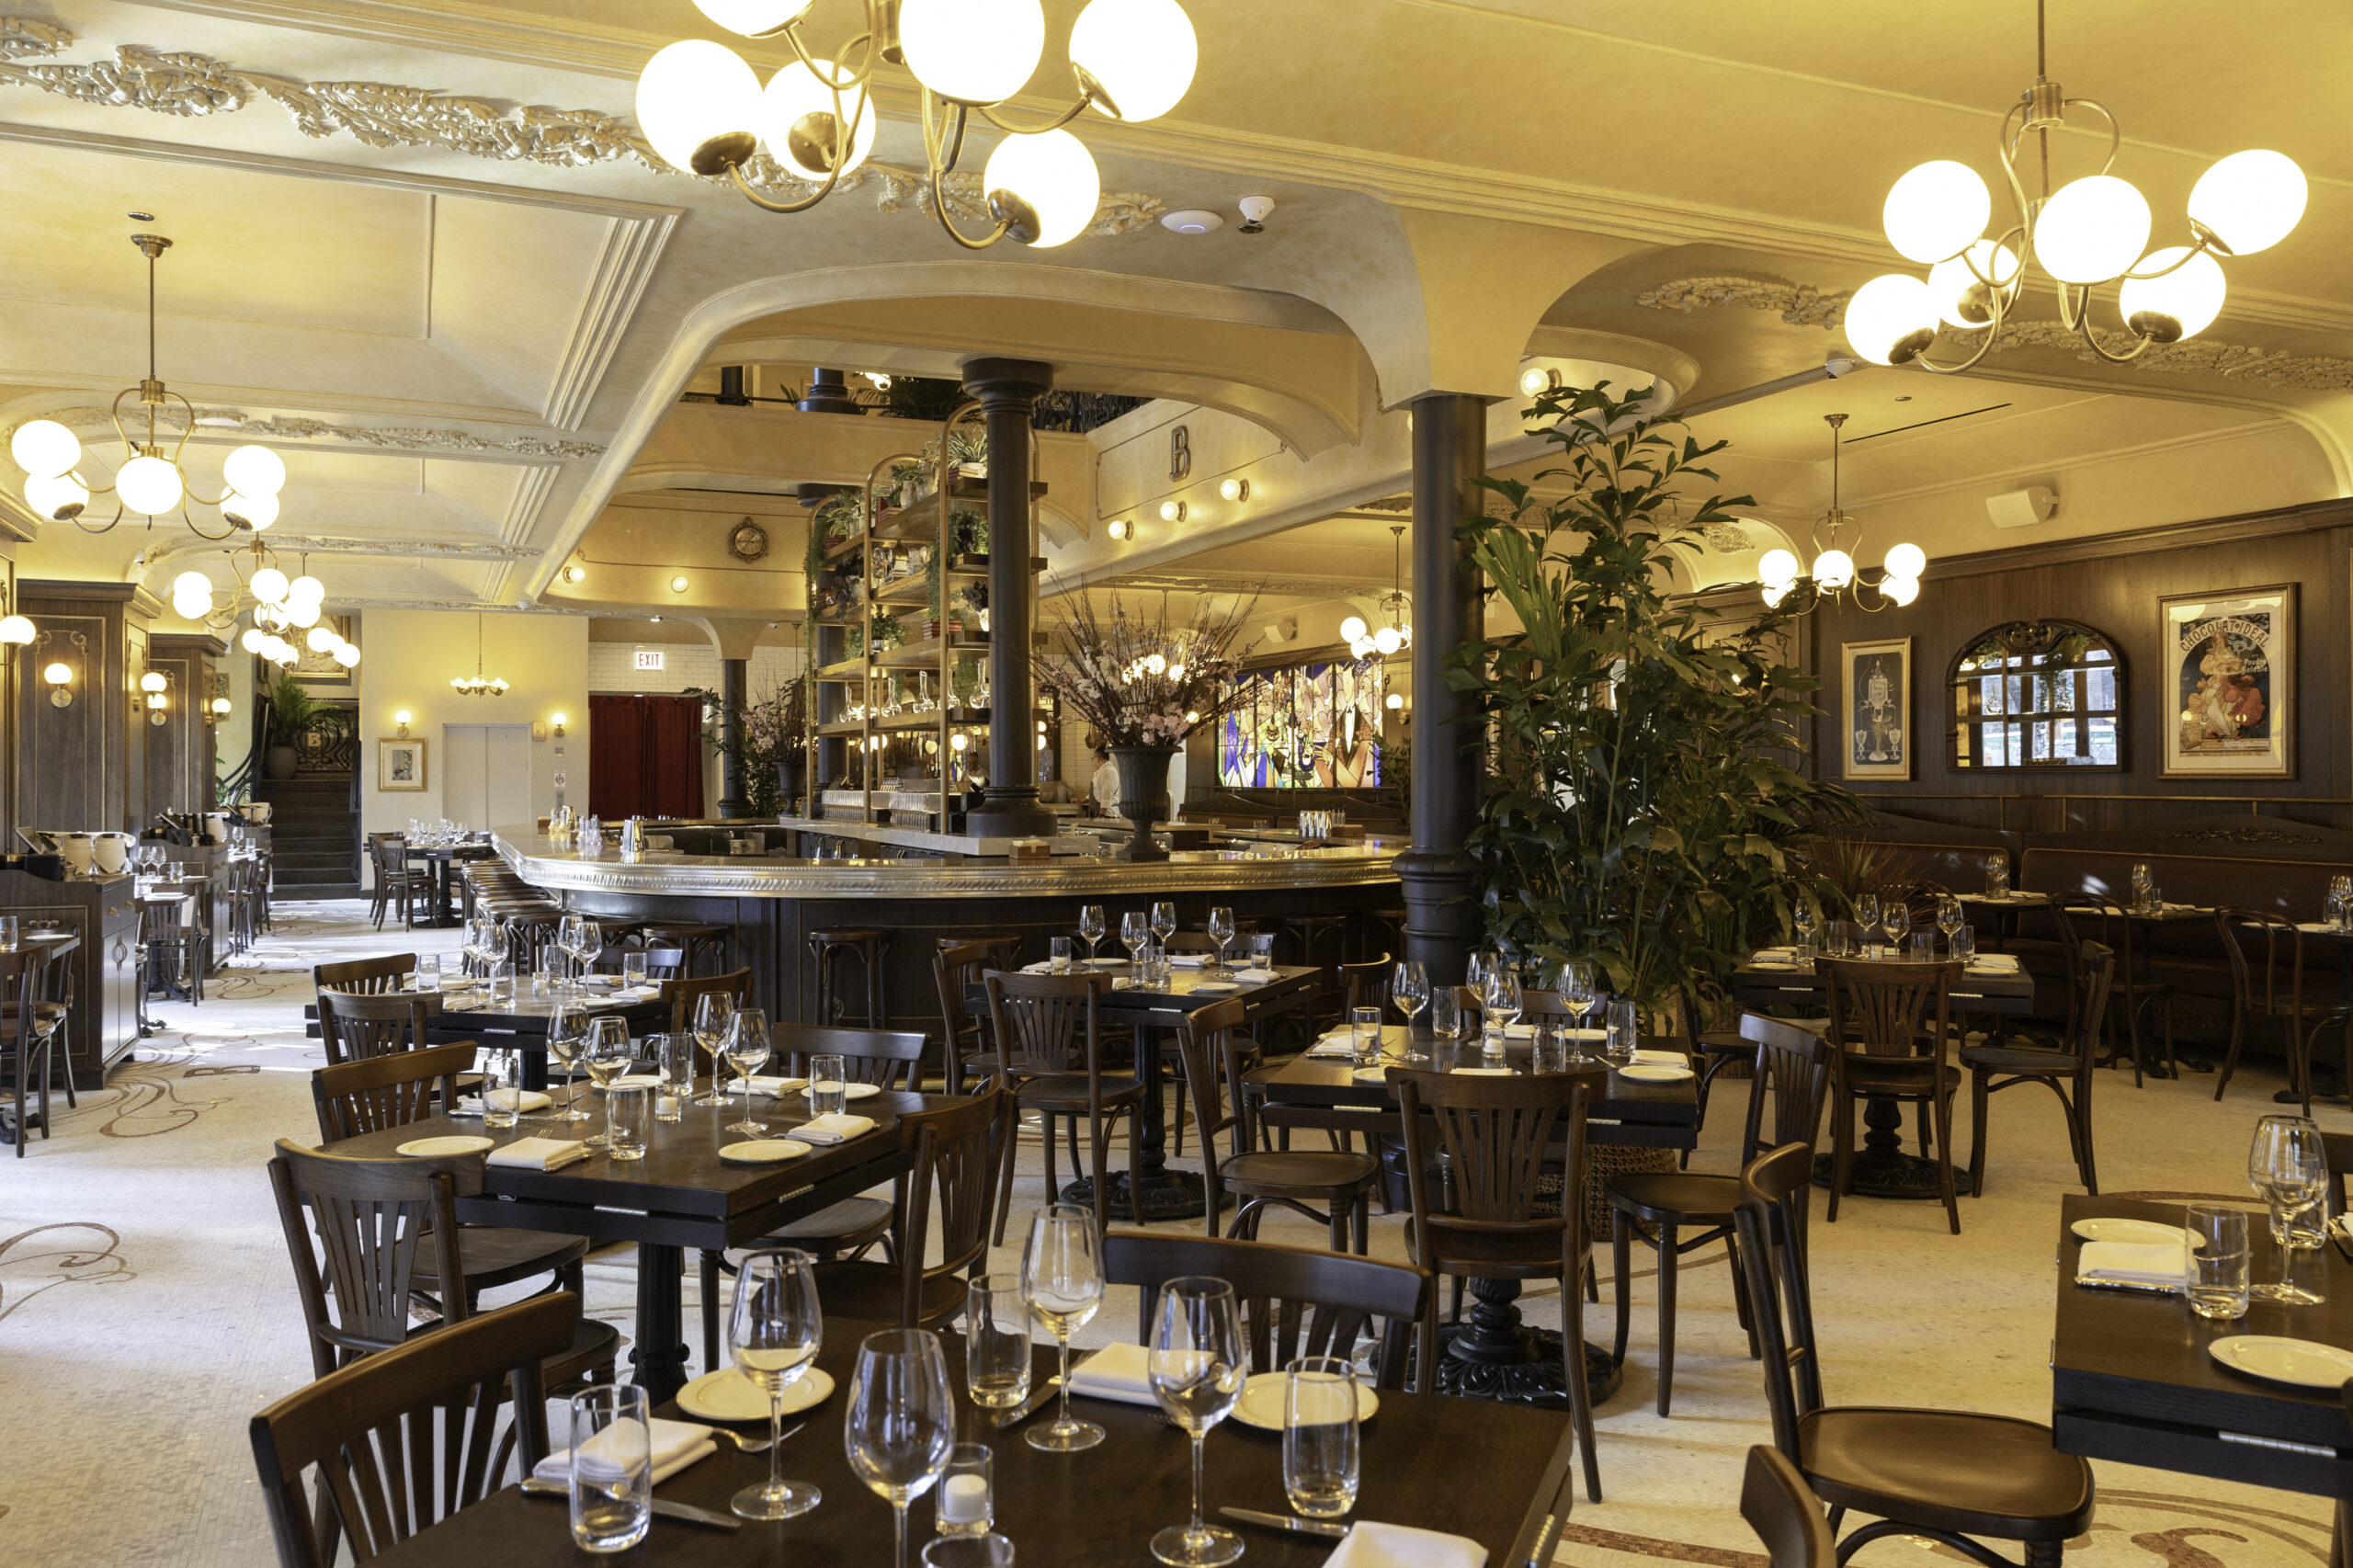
{"x":2230,"y":683}
{"x":314,"y":668}
{"x":399,"y":764}
{"x":1875,"y":709}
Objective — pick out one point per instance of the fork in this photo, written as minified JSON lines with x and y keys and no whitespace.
{"x":755,"y":1445}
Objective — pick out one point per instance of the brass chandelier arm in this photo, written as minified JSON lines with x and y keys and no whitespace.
{"x":1090,"y":92}
{"x":934,"y":139}
{"x":106,"y":527}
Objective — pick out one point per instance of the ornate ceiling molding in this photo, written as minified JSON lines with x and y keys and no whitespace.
{"x":1799,"y":304}
{"x":384,"y":114}
{"x":284,"y":427}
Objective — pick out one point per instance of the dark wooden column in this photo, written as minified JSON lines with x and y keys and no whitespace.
{"x":1442,"y":923}
{"x":735,"y":679}
{"x":1009,"y":390}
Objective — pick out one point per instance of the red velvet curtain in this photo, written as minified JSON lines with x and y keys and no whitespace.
{"x":644,"y":757}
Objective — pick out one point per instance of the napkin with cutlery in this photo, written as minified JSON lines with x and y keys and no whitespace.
{"x":677,"y":1443}
{"x":540,"y":1153}
{"x":1337,"y":1044}
{"x":1122,"y":1371}
{"x":2148,"y":1264}
{"x":1372,"y":1545}
{"x":1189,"y":960}
{"x":1995,"y":963}
{"x":1659,"y":1058}
{"x":519,"y":1099}
{"x":623,"y":994}
{"x":776,"y":1087}
{"x":840,"y":1127}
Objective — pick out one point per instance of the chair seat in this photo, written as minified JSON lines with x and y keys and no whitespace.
{"x":493,"y":1255}
{"x":1298,"y":1173}
{"x":846,"y":1226}
{"x":1980,"y":1475}
{"x":1065,"y":1093}
{"x":1674,"y":1197}
{"x":869,"y":1292}
{"x":1712,"y":1044}
{"x":2020,"y":1059}
{"x":1895,"y":1075}
{"x":1533,"y":1254}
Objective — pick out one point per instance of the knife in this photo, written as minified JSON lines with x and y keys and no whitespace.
{"x":1286,"y":1522}
{"x":534,"y":1487}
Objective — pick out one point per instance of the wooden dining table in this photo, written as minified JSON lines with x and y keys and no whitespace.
{"x":681,"y":1195}
{"x":1499,"y":1475}
{"x":521,"y":1025}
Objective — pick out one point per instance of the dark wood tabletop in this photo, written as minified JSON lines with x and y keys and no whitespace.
{"x":2012,"y":992}
{"x":1629,"y":1112}
{"x":1498,"y":1474}
{"x":1290,"y":986}
{"x":2131,"y":1379}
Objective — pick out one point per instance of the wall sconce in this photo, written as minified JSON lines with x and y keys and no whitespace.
{"x":678,"y":584}
{"x":60,"y":676}
{"x":1535,"y":381}
{"x":558,"y":720}
{"x":1235,"y":490}
{"x":1172,"y":511}
{"x":217,"y":710}
{"x":402,"y":719}
{"x":16,"y":630}
{"x":575,"y":573}
{"x":1396,"y":703}
{"x":1121,"y":529}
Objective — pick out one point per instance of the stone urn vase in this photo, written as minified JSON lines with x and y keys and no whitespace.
{"x":792,"y":773}
{"x":278,"y":763}
{"x":1143,"y":797}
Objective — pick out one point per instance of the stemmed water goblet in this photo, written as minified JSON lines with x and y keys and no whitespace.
{"x":1197,"y":1366}
{"x":1802,"y":918}
{"x":567,"y":1037}
{"x":899,"y":1420}
{"x":2286,"y":1165}
{"x":1579,"y":996}
{"x":1164,"y":921}
{"x":1948,"y":919}
{"x":1867,"y":919}
{"x":1091,"y":927}
{"x":712,"y":1009}
{"x":747,"y":1046}
{"x":1135,"y":931}
{"x":1062,"y":1278}
{"x":1895,"y":919}
{"x":773,"y":1334}
{"x":1500,"y":993}
{"x":1220,"y":932}
{"x":609,"y":1053}
{"x":1409,"y":989}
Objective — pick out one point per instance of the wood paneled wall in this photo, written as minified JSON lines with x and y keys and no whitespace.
{"x":2113,"y":584}
{"x":180,"y":749}
{"x":84,"y":766}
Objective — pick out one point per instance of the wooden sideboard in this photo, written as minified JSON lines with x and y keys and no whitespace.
{"x":103,"y":912}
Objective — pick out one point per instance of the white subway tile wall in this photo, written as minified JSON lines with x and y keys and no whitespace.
{"x":611,"y":669}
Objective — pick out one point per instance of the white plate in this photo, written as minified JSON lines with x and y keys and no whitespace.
{"x":2138,"y":1233}
{"x":856,"y":1091}
{"x":1370,"y":1074}
{"x":442,"y":1148}
{"x":728,"y":1396}
{"x":1261,"y":1405}
{"x":2296,"y":1361}
{"x":762,"y":1151}
{"x":1644,"y":1074}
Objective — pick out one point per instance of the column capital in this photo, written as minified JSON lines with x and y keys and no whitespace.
{"x":995,"y":379}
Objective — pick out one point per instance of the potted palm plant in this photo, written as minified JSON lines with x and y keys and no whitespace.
{"x":292,"y":708}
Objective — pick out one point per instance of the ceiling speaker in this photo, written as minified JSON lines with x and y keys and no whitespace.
{"x":2022,"y":508}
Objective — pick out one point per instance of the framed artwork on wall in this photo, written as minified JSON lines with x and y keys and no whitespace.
{"x":2229,"y":682}
{"x":399,"y":764}
{"x":1875,"y":708}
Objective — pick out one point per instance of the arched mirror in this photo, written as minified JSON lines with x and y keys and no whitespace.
{"x":2037,"y":694}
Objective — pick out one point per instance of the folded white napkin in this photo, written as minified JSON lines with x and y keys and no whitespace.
{"x":836,"y":1127}
{"x":1484,"y":1072}
{"x":1336,"y":1043}
{"x":777,"y":1088}
{"x":1122,"y":983}
{"x":2131,"y":1262}
{"x":1040,"y":967}
{"x":1659,"y":1058}
{"x":1254,"y":976}
{"x":520,"y":1099}
{"x":676,"y":1445}
{"x":1995,"y":963}
{"x":1519,"y":1032}
{"x":1117,"y":1371}
{"x":540,"y":1153}
{"x":1784,"y":955}
{"x":623,"y":996}
{"x":1188,"y":960}
{"x":1372,"y":1545}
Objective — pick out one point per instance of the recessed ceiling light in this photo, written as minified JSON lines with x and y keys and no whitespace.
{"x":1193,"y":221}
{"x":678,"y":584}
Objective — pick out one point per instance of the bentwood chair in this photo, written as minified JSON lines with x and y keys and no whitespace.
{"x":1889,"y":1044}
{"x":2267,"y":986}
{"x":661,"y":964}
{"x":1792,"y":1075}
{"x":2082,"y":923}
{"x":1049,"y":1042}
{"x":172,"y":945}
{"x":376,"y":1491}
{"x":1499,"y":1134}
{"x":1714,"y":1052}
{"x":1341,"y":1181}
{"x":1295,"y":1301}
{"x":2336,"y":1148}
{"x":29,"y":1034}
{"x":1954,"y":1477}
{"x":1993,"y":1068}
{"x":354,"y":1027}
{"x":397,"y":880}
{"x":956,"y":968}
{"x":684,"y":992}
{"x":364,"y":977}
{"x":957,"y":1150}
{"x":1785,"y":1514}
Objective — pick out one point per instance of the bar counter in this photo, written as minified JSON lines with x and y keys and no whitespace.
{"x":916,"y":895}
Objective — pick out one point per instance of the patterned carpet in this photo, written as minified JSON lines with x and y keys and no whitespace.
{"x":146,"y":1308}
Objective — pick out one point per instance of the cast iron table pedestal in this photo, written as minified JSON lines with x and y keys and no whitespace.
{"x":1882,"y":1167}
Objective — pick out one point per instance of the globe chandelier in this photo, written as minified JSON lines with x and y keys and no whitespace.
{"x":704,"y":110}
{"x":279,"y":605}
{"x":1897,"y":581}
{"x":1362,"y":640}
{"x":146,"y":479}
{"x":477,"y":684}
{"x":2088,"y":233}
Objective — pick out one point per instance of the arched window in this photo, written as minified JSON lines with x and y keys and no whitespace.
{"x":2037,"y":694}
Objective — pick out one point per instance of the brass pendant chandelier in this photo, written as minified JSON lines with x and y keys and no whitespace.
{"x":704,"y":110}
{"x":477,"y":684}
{"x":146,"y":481}
{"x":1363,"y":641}
{"x":1833,"y":572}
{"x":280,"y":605}
{"x":2087,"y":234}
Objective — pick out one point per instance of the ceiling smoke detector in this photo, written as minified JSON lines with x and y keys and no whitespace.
{"x":1193,"y":221}
{"x":1254,"y":214}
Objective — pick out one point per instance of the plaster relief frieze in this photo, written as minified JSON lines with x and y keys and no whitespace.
{"x":1799,"y":304}
{"x":382,"y":114}
{"x":281,"y":428}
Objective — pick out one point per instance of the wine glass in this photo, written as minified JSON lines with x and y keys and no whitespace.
{"x":1091,"y":927}
{"x":1802,"y":918}
{"x":899,"y":1420}
{"x":567,"y":1037}
{"x":1409,"y":988}
{"x":1500,"y":993}
{"x":1135,"y":931}
{"x":1866,"y":916}
{"x":607,"y":1054}
{"x":1949,"y":918}
{"x":1197,"y":1367}
{"x":567,"y":938}
{"x":773,"y":1334}
{"x":1221,"y":931}
{"x":1164,"y":921}
{"x":2286,"y":1165}
{"x":712,"y":1009}
{"x":1895,"y":919}
{"x":1062,"y":1278}
{"x":747,"y":1046}
{"x":591,"y":943}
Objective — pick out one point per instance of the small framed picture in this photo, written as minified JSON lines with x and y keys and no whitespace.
{"x":399,"y":764}
{"x":2229,"y":682}
{"x":1875,"y":709}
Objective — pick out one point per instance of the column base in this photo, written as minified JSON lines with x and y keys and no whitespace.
{"x":1014,"y":818}
{"x":1442,"y":917}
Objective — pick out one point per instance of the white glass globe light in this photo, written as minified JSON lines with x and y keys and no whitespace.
{"x":1886,"y":311}
{"x":1387,"y":640}
{"x":1353,"y":628}
{"x":1936,"y":210}
{"x":2191,"y":293}
{"x":253,"y":640}
{"x":303,"y":612}
{"x":1777,"y":568}
{"x":44,"y":449}
{"x":1903,"y":590}
{"x":754,"y":18}
{"x":2092,"y":230}
{"x":269,"y":585}
{"x":975,"y":52}
{"x":189,"y":584}
{"x":1906,"y":561}
{"x":1775,"y":593}
{"x":55,"y":497}
{"x":1055,"y":175}
{"x":346,"y":656}
{"x":321,"y":639}
{"x":794,"y":91}
{"x":2249,"y":200}
{"x":17,"y":630}
{"x":189,"y":607}
{"x":1951,"y":280}
{"x":255,"y":470}
{"x":1834,"y":569}
{"x":692,"y":92}
{"x":257,"y":512}
{"x":1143,"y":52}
{"x":148,"y":485}
{"x":306,"y":590}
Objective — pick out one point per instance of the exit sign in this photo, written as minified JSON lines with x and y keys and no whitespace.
{"x":649,"y":658}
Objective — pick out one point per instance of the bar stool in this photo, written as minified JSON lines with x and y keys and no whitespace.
{"x":1311,"y":935}
{"x":696,"y":942}
{"x":868,"y":948}
{"x":1390,"y":921}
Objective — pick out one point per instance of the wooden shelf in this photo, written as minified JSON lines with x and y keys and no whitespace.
{"x":848,"y":670}
{"x":925,"y":654}
{"x":964,"y":488}
{"x":961,"y":718}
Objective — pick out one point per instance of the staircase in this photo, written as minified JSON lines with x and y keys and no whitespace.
{"x":314,"y":835}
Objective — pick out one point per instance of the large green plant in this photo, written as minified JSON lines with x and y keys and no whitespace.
{"x":292,"y":708}
{"x":1639,"y":813}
